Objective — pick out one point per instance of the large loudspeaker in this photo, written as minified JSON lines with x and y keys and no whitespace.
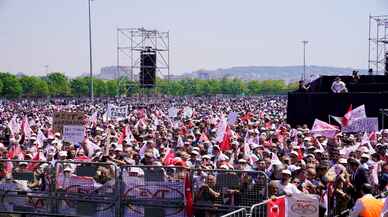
{"x":147,"y":68}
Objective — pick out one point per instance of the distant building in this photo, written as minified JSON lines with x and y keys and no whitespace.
{"x":110,"y":72}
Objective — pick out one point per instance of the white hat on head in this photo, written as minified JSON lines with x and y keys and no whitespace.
{"x":365,"y":156}
{"x":286,"y":172}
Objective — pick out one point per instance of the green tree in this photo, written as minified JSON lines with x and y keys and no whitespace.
{"x":1,"y":87}
{"x":58,"y":84}
{"x":79,"y":87}
{"x":11,"y":85}
{"x":33,"y":86}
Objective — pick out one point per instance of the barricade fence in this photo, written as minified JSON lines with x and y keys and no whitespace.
{"x":69,"y":188}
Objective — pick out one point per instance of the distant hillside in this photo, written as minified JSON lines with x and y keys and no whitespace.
{"x":287,"y":73}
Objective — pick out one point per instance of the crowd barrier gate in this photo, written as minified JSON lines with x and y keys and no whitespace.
{"x":67,"y":188}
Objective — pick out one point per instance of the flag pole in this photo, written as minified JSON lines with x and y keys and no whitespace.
{"x":329,"y":120}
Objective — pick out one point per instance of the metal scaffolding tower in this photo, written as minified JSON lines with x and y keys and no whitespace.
{"x":378,"y":40}
{"x":131,"y":42}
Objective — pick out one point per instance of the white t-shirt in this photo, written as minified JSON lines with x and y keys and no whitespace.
{"x":338,"y":86}
{"x":288,"y":188}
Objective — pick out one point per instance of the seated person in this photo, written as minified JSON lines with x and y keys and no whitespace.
{"x":338,"y":86}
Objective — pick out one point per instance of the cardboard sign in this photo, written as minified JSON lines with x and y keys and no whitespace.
{"x":66,"y":118}
{"x":362,"y":125}
{"x":73,"y":133}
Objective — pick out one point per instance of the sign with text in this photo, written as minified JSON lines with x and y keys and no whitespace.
{"x":172,"y":112}
{"x":232,"y":118}
{"x":73,"y":133}
{"x":137,"y":189}
{"x":117,"y":112}
{"x":306,"y":205}
{"x":66,"y":118}
{"x":362,"y":125}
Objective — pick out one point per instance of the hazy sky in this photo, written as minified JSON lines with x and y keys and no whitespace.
{"x":204,"y":33}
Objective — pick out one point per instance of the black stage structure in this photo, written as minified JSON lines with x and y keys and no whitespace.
{"x":319,"y":101}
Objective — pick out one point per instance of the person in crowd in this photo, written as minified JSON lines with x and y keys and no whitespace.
{"x":367,"y":205}
{"x":302,"y":87}
{"x":166,"y":138}
{"x":338,"y":86}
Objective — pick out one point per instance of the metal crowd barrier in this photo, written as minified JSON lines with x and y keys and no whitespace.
{"x":237,"y":213}
{"x":152,"y":191}
{"x":86,"y":188}
{"x":222,"y":191}
{"x":68,"y":188}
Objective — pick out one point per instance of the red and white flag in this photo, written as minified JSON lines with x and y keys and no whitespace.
{"x":323,"y":128}
{"x":40,"y":138}
{"x":188,"y":196}
{"x":277,"y":207}
{"x":170,"y":155}
{"x":226,"y":144}
{"x":14,"y":126}
{"x":353,"y":115}
{"x":221,"y":129}
{"x":26,"y":129}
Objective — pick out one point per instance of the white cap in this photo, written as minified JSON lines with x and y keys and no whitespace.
{"x":206,"y":157}
{"x":365,"y":156}
{"x":242,"y":161}
{"x":67,"y":169}
{"x":342,"y":161}
{"x":286,"y":172}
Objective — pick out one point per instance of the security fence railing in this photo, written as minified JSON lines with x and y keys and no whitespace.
{"x":69,"y":188}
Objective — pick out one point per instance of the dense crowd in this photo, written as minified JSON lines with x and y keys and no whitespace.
{"x":256,"y":142}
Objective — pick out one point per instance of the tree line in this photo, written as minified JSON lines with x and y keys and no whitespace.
{"x":58,"y":85}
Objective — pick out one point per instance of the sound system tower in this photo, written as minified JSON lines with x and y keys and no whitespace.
{"x":147,"y":68}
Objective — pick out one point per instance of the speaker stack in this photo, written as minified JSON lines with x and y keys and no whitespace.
{"x":147,"y":68}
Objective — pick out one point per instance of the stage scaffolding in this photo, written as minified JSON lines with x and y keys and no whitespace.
{"x":130,"y":43}
{"x":378,"y":40}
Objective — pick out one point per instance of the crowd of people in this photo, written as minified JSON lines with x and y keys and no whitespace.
{"x":256,"y":141}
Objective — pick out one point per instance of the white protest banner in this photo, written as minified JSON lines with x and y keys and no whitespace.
{"x":117,"y":112}
{"x":172,"y":112}
{"x":187,"y":112}
{"x":73,"y":133}
{"x":323,"y":128}
{"x":306,"y":205}
{"x":137,"y":188}
{"x":232,"y":118}
{"x":362,"y":125}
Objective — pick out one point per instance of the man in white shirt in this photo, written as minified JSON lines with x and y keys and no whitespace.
{"x":284,"y":184}
{"x":338,"y":86}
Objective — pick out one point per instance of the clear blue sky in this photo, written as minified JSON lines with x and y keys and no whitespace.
{"x":204,"y":33}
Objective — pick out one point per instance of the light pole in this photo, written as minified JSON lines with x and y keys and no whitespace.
{"x":90,"y":55}
{"x":304,"y":58}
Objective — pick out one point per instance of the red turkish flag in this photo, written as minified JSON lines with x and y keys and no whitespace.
{"x":225,"y":144}
{"x":348,"y":115}
{"x":276,"y":207}
{"x":188,"y":196}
